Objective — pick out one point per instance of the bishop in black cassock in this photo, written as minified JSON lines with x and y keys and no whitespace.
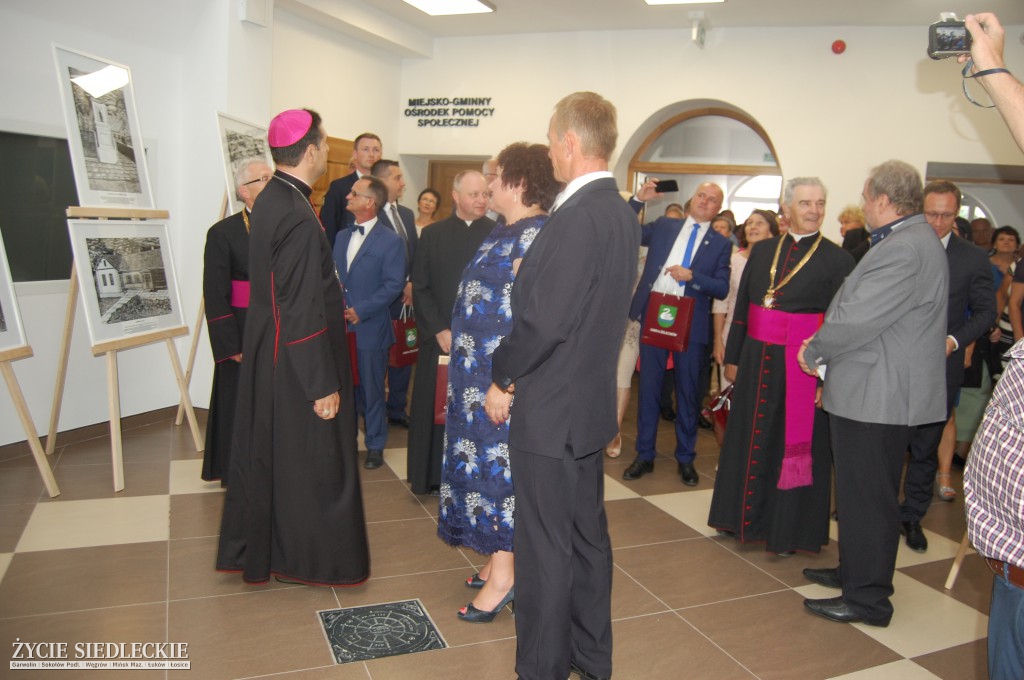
{"x":225,"y":276}
{"x":747,"y":501}
{"x":294,"y":507}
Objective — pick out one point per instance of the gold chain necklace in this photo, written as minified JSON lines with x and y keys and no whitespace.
{"x":245,"y":218}
{"x":769,"y":296}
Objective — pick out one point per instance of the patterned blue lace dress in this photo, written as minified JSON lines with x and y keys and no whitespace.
{"x":477,"y":497}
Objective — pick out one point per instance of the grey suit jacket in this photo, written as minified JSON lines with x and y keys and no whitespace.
{"x":884,"y":336}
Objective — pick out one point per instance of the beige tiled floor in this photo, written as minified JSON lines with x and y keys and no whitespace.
{"x":138,"y":566}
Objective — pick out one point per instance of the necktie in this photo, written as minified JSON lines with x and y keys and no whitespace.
{"x":400,"y":228}
{"x":688,"y":253}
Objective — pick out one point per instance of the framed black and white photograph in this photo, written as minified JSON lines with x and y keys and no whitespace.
{"x":240,"y":140}
{"x":12,"y":333}
{"x":126,"y":273}
{"x":107,"y":152}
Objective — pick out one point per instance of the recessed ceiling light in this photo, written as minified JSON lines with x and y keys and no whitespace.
{"x":439,"y":8}
{"x":676,"y":2}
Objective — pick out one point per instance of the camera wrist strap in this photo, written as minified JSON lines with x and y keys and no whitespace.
{"x":987,"y":72}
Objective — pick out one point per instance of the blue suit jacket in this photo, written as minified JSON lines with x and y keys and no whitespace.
{"x":375,"y":279}
{"x":710,"y":268}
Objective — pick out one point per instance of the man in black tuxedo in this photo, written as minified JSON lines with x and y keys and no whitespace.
{"x":972,"y":311}
{"x":334,"y":215}
{"x":569,"y":306}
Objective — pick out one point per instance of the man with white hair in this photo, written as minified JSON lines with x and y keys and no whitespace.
{"x":226,"y":295}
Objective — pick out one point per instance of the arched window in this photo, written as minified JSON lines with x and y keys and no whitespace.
{"x":710,"y":144}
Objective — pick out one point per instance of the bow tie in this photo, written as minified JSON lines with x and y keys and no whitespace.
{"x":360,"y":229}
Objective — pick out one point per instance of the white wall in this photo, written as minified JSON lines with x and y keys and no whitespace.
{"x":352,"y":85}
{"x":827,"y":115}
{"x":184,"y":60}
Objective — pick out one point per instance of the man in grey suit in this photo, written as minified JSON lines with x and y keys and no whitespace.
{"x":884,"y":345}
{"x":569,"y":304}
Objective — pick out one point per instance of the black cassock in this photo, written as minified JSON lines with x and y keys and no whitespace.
{"x":294,"y":507}
{"x":225,"y":260}
{"x":746,"y":500}
{"x":442,"y":252}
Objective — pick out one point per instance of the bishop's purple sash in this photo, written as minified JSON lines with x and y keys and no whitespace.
{"x":788,"y":329}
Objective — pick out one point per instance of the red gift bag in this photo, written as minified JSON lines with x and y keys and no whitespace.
{"x":667,"y":322}
{"x":407,"y":344}
{"x":441,"y":390}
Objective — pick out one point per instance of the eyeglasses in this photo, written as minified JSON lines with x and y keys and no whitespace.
{"x":356,"y":193}
{"x":939,"y":216}
{"x":264,"y":178}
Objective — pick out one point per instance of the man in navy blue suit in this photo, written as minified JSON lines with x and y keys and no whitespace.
{"x":399,"y":219}
{"x":371,"y":265}
{"x":684,"y":257}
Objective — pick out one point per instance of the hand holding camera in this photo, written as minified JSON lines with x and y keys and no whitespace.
{"x":987,"y":38}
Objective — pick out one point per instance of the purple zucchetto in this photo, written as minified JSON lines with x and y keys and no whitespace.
{"x":289,"y":127}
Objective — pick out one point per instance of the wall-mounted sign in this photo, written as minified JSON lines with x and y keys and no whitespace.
{"x":449,"y":111}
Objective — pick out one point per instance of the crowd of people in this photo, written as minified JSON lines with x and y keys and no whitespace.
{"x":533,"y":304}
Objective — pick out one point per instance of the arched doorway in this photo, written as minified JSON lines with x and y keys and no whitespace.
{"x":709,"y":144}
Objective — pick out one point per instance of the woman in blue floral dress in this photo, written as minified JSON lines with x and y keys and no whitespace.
{"x":477,"y":497}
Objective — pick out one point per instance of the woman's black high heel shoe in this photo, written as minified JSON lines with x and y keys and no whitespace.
{"x":473,"y":615}
{"x":475,"y":581}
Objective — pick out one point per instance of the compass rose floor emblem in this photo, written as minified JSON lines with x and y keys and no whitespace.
{"x":379,"y":630}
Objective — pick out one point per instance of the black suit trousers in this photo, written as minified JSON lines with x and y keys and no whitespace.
{"x":563,"y":565}
{"x":923,"y":463}
{"x":868,"y":460}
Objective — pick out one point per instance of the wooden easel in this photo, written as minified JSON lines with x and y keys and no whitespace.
{"x":198,"y":328}
{"x":111,"y":349}
{"x":954,"y":570}
{"x":6,"y":357}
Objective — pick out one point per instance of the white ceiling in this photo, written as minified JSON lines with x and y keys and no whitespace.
{"x":536,"y":16}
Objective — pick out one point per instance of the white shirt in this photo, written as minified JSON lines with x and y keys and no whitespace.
{"x":665,"y":283}
{"x":577,"y":184}
{"x":357,"y":239}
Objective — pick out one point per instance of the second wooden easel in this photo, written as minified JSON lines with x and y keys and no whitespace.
{"x":111,"y":349}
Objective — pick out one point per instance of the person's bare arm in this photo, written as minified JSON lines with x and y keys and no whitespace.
{"x":1007,"y":92}
{"x":1016,"y":299}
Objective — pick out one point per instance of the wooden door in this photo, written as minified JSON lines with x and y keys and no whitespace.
{"x":338,"y":165}
{"x":441,"y":176}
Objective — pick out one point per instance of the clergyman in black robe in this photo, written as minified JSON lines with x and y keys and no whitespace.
{"x":747,"y":500}
{"x":293,"y":507}
{"x":226,"y":298}
{"x":443,"y":251}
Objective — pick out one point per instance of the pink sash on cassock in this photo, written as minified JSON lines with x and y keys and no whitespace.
{"x":239,"y":293}
{"x":788,"y":329}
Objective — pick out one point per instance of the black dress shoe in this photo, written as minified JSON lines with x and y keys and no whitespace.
{"x":688,"y":474}
{"x":916,"y":539}
{"x":825,"y":577}
{"x":400,"y":421}
{"x":836,"y":609}
{"x":668,"y":414}
{"x":637,"y":469}
{"x":704,"y":423}
{"x":374,"y":459}
{"x":585,"y":675}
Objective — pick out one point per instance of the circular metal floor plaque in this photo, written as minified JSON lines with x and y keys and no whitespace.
{"x":378,"y":630}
